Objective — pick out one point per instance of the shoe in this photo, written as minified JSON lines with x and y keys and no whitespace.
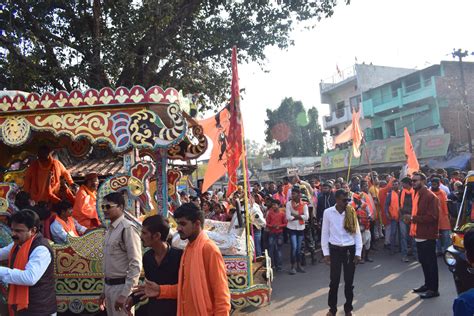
{"x":421,"y":289}
{"x":429,"y":294}
{"x":292,"y":271}
{"x":349,"y":314}
{"x":330,"y":314}
{"x":278,"y":269}
{"x":300,"y":270}
{"x":369,"y":259}
{"x":405,"y":259}
{"x":362,"y":261}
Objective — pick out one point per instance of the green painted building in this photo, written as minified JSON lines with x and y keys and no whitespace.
{"x":411,"y":101}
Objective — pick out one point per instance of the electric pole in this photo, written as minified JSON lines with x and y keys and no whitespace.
{"x":461,"y":54}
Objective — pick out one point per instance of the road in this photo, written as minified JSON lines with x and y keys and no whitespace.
{"x":382,"y":287}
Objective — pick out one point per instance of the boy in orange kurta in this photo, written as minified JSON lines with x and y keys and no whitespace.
{"x":202,"y":287}
{"x":43,"y":177}
{"x":84,"y":210}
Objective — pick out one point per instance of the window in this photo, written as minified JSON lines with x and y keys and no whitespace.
{"x":395,"y":86}
{"x":412,"y":83}
{"x":390,"y":126}
{"x":340,"y":105}
{"x":378,"y":133}
{"x":355,"y":102}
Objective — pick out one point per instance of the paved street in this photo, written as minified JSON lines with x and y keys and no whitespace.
{"x":381,"y":288}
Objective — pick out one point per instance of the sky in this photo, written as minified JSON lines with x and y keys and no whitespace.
{"x":398,"y":33}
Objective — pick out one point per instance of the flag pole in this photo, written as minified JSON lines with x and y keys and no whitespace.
{"x":350,"y":162}
{"x":246,"y":208}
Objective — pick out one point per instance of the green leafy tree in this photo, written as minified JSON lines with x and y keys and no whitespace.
{"x":62,"y":45}
{"x":296,"y":131}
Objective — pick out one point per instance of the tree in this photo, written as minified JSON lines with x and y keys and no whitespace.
{"x":296,"y":131}
{"x":66,"y":44}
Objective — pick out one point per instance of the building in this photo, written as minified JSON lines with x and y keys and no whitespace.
{"x":427,"y":101}
{"x":343,"y":92}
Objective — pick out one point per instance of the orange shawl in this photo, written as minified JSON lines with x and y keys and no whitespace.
{"x":443,"y":220}
{"x":414,"y":211}
{"x":84,"y":210}
{"x":300,"y":208}
{"x":199,"y":290}
{"x":43,"y":181}
{"x":19,"y":294}
{"x":68,"y":226}
{"x":394,"y":207}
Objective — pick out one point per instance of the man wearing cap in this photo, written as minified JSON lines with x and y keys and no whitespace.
{"x":84,"y":210}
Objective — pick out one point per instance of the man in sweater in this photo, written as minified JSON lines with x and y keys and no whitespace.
{"x":424,"y":228}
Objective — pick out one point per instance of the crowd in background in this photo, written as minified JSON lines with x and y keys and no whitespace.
{"x":291,"y":211}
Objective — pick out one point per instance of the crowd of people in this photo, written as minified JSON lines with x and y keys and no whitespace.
{"x":412,"y":215}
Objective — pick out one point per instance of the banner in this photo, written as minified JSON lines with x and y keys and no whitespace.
{"x":389,"y":150}
{"x":338,"y":160}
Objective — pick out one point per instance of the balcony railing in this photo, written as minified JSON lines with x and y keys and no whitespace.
{"x":337,"y":117}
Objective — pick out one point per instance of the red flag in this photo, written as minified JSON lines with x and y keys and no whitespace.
{"x":412,"y":161}
{"x":356,"y":134}
{"x":235,"y":149}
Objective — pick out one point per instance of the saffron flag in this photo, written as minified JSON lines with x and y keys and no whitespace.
{"x":412,"y":161}
{"x":235,"y":128}
{"x":356,"y":134}
{"x":217,"y":129}
{"x":343,"y":137}
{"x":225,"y":131}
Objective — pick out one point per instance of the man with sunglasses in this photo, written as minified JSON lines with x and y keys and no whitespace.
{"x":341,"y":243}
{"x":122,"y":256}
{"x":424,"y":228}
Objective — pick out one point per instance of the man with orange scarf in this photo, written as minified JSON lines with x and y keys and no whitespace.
{"x":202,"y":287}
{"x":85,"y":205}
{"x":30,"y":272}
{"x":444,"y":225}
{"x":424,"y":228}
{"x":64,"y":224}
{"x":43,"y":178}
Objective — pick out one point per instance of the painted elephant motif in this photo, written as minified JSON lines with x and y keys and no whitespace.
{"x":186,"y":150}
{"x":135,"y":183}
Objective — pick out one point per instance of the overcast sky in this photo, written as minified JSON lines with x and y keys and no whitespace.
{"x":399,"y":33}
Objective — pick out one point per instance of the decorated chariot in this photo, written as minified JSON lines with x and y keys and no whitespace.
{"x":147,"y":129}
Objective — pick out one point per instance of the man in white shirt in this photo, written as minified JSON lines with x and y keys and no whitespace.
{"x":30,"y":271}
{"x":341,"y":243}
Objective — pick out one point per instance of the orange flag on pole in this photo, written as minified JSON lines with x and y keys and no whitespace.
{"x":356,"y":134}
{"x":217,"y":129}
{"x":344,"y":136}
{"x":235,"y":129}
{"x":225,"y":131}
{"x":412,"y":161}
